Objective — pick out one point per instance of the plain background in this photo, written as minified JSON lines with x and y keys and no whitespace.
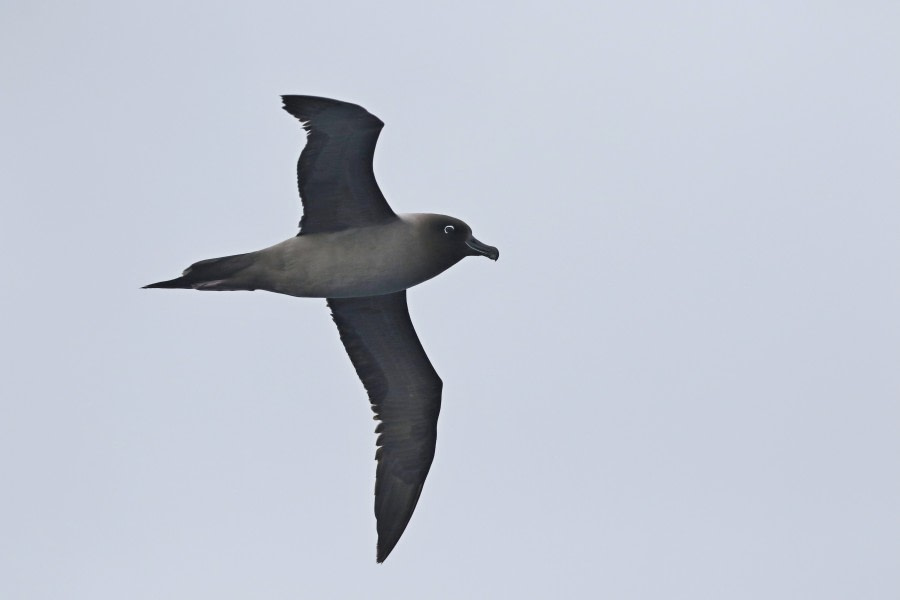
{"x":679,"y":381}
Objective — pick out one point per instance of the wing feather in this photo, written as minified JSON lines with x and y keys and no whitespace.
{"x":334,"y":174}
{"x":405,"y":392}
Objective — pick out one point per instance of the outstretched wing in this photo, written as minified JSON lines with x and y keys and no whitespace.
{"x":334,"y":173}
{"x":405,"y":392}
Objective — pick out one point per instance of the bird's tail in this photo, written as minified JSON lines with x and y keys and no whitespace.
{"x":211,"y":274}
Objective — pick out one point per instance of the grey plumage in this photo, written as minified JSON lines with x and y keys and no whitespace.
{"x":355,"y":251}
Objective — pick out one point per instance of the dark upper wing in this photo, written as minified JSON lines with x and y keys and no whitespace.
{"x":405,"y":392}
{"x":334,"y":173}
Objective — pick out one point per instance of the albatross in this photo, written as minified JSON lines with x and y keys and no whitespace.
{"x":359,"y":255}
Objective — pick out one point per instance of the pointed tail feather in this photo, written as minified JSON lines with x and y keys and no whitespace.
{"x":210,"y":274}
{"x":177,"y":283}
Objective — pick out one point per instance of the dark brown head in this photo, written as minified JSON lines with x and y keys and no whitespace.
{"x":454,"y":237}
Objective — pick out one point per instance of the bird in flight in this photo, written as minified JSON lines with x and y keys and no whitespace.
{"x":357,"y":253}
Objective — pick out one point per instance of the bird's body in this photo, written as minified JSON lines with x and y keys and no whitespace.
{"x":363,"y":261}
{"x":357,"y":253}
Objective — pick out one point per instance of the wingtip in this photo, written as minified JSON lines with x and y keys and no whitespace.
{"x":395,"y":502}
{"x":382,"y":551}
{"x":303,"y":108}
{"x":306,"y":108}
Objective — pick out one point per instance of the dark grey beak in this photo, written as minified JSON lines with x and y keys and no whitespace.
{"x":476,"y":248}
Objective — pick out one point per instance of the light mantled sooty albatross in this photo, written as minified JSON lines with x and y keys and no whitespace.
{"x":357,"y":253}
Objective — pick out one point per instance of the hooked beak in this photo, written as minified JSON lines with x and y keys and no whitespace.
{"x":476,"y":248}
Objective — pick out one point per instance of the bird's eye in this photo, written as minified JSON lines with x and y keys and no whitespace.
{"x":448,"y":229}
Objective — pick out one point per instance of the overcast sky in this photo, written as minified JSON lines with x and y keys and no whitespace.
{"x":679,"y":381}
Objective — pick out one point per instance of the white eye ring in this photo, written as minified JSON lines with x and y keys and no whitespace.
{"x":448,"y":229}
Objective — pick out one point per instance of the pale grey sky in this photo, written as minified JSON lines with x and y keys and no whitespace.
{"x":680,"y":380}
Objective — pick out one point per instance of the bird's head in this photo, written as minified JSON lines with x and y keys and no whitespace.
{"x":454,"y":237}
